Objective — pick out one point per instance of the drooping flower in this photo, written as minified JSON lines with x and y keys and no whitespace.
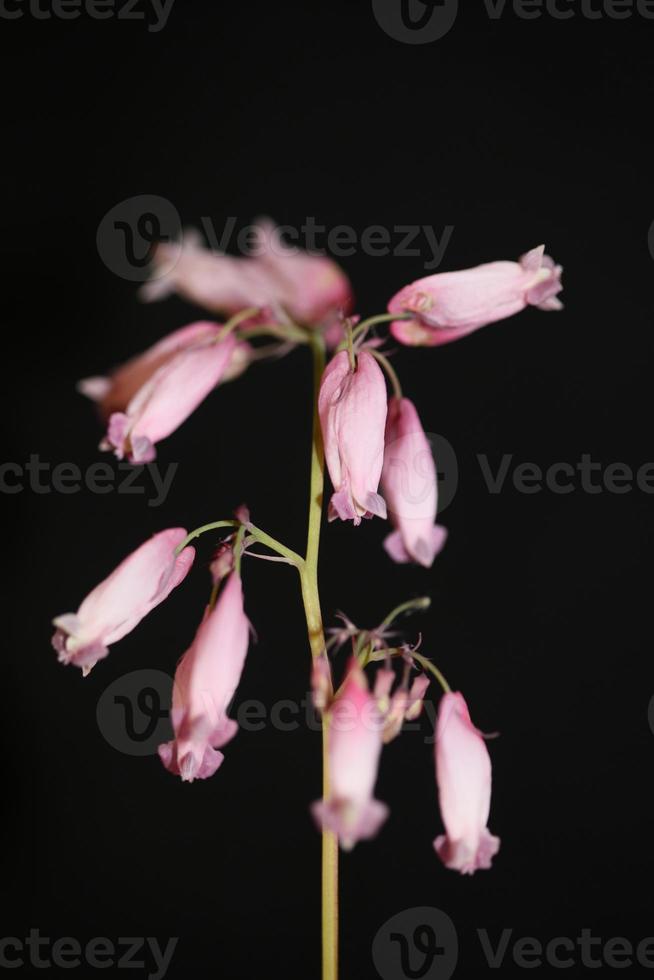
{"x":114,"y":393}
{"x":311,"y":288}
{"x":205,"y":682}
{"x":354,"y":732}
{"x":450,"y":305}
{"x":143,"y":580}
{"x":463,"y":772}
{"x":410,"y":487}
{"x":352,"y":409}
{"x":167,"y":399}
{"x":216,"y":282}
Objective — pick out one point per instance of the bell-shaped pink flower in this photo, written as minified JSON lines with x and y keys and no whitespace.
{"x":114,"y":393}
{"x":205,"y":682}
{"x":216,"y":282}
{"x":308,"y":287}
{"x":167,"y":399}
{"x":450,"y":305}
{"x":463,"y":772}
{"x":352,"y":409}
{"x":410,"y":487}
{"x":143,"y":580}
{"x":354,"y":732}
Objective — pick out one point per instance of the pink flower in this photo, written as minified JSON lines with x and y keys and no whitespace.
{"x":308,"y":287}
{"x":410,"y":486}
{"x":205,"y":681}
{"x":167,"y":399}
{"x":450,"y":305}
{"x":114,"y":393}
{"x":354,"y":736}
{"x":217,"y":282}
{"x":143,"y":580}
{"x":352,"y":408}
{"x":463,"y":772}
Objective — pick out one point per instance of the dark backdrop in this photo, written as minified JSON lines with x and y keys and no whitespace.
{"x":513,"y":132}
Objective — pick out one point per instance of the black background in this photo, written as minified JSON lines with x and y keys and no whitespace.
{"x":514,"y":132}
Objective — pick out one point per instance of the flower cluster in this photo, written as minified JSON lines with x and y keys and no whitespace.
{"x":380,"y":464}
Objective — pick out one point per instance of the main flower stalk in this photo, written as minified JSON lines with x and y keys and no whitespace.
{"x":311,"y":599}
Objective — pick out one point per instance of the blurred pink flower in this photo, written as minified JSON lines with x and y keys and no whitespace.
{"x":311,"y":288}
{"x":114,"y":393}
{"x":219,"y":283}
{"x":352,"y":408}
{"x":143,"y":580}
{"x":410,"y":486}
{"x":450,"y":305}
{"x":167,"y":399}
{"x":354,"y":736}
{"x":463,"y":772}
{"x":205,"y":682}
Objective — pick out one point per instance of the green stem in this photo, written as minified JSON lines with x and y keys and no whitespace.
{"x":282,"y":331}
{"x":390,"y":371}
{"x":238,"y":549}
{"x":429,"y":666}
{"x":256,"y":532}
{"x":311,"y":599}
{"x":373,"y":321}
{"x":413,"y":605}
{"x":234,"y":321}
